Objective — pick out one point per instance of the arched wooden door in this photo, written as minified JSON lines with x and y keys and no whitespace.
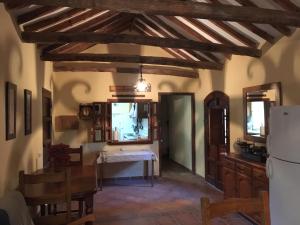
{"x":216,"y":117}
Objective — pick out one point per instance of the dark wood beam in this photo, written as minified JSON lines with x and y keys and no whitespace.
{"x":130,"y":59}
{"x":92,"y":37}
{"x":42,"y":11}
{"x":179,"y":8}
{"x":104,"y":67}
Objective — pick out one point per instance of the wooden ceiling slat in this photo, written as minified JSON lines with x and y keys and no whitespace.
{"x":147,"y":30}
{"x":113,"y":27}
{"x":179,"y":35}
{"x":254,"y":29}
{"x":288,"y":5}
{"x":104,"y":67}
{"x":179,"y":8}
{"x":234,"y":33}
{"x":131,"y":59}
{"x":72,"y":21}
{"x":42,"y":11}
{"x":92,"y":37}
{"x":165,"y":34}
{"x":173,"y":52}
{"x":47,"y":22}
{"x":282,"y":29}
{"x":89,"y":27}
{"x":215,"y":35}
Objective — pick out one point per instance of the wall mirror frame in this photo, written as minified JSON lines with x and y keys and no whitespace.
{"x":257,"y":101}
{"x":141,"y":110}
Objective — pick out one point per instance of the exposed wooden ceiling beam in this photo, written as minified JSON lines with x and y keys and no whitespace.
{"x":131,"y":59}
{"x":92,"y":37}
{"x":179,"y":8}
{"x":104,"y":67}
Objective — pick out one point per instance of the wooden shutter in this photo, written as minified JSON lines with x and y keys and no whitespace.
{"x":154,"y":121}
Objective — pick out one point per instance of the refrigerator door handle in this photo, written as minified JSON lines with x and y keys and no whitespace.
{"x":269,"y":168}
{"x":268,"y":143}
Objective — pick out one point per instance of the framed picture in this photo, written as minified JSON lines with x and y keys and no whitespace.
{"x":10,"y":110}
{"x":27,"y":111}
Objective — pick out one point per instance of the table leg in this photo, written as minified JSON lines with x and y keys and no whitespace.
{"x":101,"y":175}
{"x":152,"y":172}
{"x":89,"y":206}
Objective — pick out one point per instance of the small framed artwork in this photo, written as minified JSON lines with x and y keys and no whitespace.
{"x":10,"y":110}
{"x":27,"y":111}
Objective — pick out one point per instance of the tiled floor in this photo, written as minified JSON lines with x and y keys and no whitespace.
{"x":174,"y":200}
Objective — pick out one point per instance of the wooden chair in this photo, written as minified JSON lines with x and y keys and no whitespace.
{"x":57,"y":185}
{"x":79,"y":156}
{"x":72,"y":152}
{"x":228,"y":206}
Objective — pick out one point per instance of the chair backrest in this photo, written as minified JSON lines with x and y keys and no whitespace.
{"x":77,"y":152}
{"x":47,"y":188}
{"x":73,"y":156}
{"x":228,"y":206}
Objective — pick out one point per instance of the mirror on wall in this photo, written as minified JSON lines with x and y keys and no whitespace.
{"x":257,"y":101}
{"x":130,"y":122}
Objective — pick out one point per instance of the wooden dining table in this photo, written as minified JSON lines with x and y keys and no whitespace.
{"x":83,"y":187}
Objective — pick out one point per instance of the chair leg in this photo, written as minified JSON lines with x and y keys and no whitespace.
{"x":80,"y":208}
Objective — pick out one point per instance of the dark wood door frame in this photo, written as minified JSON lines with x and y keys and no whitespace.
{"x":193,"y":123}
{"x":47,"y":120}
{"x":221,"y":102}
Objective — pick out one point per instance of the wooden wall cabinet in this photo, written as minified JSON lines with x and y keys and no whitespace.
{"x":243,"y":179}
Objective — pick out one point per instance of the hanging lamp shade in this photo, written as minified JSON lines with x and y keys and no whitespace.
{"x":142,"y":85}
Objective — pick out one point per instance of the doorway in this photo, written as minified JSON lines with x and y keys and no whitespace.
{"x":47,"y":124}
{"x":216,"y":117}
{"x":177,"y":131}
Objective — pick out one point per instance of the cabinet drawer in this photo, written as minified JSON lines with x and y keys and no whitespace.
{"x":229,"y":164}
{"x":243,"y":169}
{"x":259,"y":174}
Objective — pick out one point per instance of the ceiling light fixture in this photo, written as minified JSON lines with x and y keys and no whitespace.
{"x":142,"y":85}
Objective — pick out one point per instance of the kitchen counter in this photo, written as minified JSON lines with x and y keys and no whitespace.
{"x":238,"y":157}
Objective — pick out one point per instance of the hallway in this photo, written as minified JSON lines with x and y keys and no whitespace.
{"x":174,"y":200}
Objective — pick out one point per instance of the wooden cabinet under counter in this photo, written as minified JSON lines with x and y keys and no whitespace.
{"x":243,"y":178}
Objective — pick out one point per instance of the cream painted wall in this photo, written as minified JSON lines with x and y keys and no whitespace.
{"x":180,"y":129}
{"x":20,"y":64}
{"x":279,"y":63}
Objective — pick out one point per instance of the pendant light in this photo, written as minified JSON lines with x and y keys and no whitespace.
{"x":142,"y":85}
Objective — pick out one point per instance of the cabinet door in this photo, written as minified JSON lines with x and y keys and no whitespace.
{"x":229,"y":183}
{"x":243,"y":184}
{"x":258,"y":186}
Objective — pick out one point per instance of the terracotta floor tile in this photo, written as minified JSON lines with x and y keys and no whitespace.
{"x":174,"y":200}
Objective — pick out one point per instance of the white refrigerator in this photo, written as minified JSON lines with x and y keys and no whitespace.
{"x":283,"y":165}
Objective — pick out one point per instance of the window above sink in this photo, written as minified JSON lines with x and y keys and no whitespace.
{"x":131,"y":122}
